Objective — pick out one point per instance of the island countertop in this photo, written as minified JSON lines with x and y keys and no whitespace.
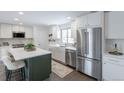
{"x":21,"y":54}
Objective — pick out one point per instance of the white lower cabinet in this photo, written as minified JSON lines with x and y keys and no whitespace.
{"x":113,"y":69}
{"x":58,"y":53}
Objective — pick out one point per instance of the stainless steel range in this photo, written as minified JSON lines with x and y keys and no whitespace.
{"x":89,"y":51}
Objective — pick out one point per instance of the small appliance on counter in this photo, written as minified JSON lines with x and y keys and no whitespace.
{"x":115,"y":51}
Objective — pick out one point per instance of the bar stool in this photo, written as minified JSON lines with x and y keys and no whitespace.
{"x":13,"y":66}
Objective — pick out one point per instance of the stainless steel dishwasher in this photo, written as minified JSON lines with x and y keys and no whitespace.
{"x":70,"y":57}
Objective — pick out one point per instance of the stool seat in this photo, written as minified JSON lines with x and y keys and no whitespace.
{"x":12,"y":65}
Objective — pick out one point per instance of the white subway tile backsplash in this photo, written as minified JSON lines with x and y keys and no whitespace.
{"x":111,"y":42}
{"x":15,"y":41}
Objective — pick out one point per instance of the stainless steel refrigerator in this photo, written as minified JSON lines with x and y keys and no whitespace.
{"x":89,"y":51}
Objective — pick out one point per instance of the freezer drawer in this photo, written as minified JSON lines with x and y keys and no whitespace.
{"x":90,"y":67}
{"x":70,"y":57}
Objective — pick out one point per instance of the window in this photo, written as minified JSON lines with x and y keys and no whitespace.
{"x":66,"y":36}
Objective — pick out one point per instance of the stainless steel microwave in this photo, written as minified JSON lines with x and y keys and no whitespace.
{"x":18,"y":34}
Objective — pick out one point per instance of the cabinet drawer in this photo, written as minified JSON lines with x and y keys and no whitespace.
{"x":114,"y":61}
{"x":112,"y":71}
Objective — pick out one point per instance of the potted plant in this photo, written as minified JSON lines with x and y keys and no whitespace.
{"x":29,"y":47}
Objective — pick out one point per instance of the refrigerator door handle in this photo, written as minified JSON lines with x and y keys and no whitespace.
{"x":85,"y":40}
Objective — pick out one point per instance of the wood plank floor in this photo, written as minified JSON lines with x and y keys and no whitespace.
{"x":73,"y":76}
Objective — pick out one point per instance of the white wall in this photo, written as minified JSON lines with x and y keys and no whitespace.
{"x":40,"y":36}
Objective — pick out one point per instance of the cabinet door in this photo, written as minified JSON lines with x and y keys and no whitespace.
{"x":112,"y":71}
{"x":5,"y":31}
{"x":52,"y":51}
{"x":82,"y":21}
{"x":58,"y":53}
{"x":61,"y":53}
{"x":114,"y":25}
{"x":21,"y":28}
{"x":94,"y":19}
{"x":15,"y":28}
{"x":28,"y":32}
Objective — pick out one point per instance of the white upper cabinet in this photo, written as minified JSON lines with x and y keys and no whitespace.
{"x":21,"y":28}
{"x":28,"y":32}
{"x":114,"y":25}
{"x":17,"y":28}
{"x":5,"y":31}
{"x":94,"y":19}
{"x":82,"y":21}
{"x":89,"y":20}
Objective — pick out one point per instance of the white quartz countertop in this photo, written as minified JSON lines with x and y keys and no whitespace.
{"x":66,"y":47}
{"x":21,"y":54}
{"x":114,"y":56}
{"x":71,"y":48}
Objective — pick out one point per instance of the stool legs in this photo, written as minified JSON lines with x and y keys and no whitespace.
{"x":23,"y":73}
{"x":10,"y":72}
{"x":6,"y":71}
{"x":8,"y":75}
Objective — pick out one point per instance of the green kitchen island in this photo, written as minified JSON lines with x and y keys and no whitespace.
{"x":38,"y":62}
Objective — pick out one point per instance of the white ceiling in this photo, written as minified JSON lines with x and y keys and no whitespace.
{"x":39,"y":17}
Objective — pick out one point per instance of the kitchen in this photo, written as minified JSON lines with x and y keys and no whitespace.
{"x":83,"y":45}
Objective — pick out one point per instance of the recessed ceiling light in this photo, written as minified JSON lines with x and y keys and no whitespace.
{"x":16,"y":19}
{"x":68,"y":17}
{"x":21,"y":23}
{"x":21,"y":13}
